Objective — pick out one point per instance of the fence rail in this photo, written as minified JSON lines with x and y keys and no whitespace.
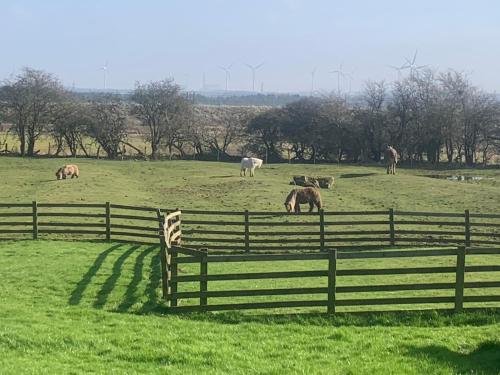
{"x":254,"y":231}
{"x":329,"y":285}
{"x":206,"y":240}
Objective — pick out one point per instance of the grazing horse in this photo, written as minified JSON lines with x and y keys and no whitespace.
{"x":307,"y":195}
{"x":391,"y":159}
{"x":68,"y":170}
{"x":251,"y":164}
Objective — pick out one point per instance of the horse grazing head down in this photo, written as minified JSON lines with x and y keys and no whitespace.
{"x":290,"y":201}
{"x":59,"y":174}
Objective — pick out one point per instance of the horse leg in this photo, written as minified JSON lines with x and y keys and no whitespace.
{"x":297,"y":208}
{"x":252,"y":172}
{"x":311,"y":206}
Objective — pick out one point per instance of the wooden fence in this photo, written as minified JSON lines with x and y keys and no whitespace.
{"x":104,"y":221}
{"x":328,"y":286}
{"x":278,"y":231}
{"x":331,"y":240}
{"x":247,"y":231}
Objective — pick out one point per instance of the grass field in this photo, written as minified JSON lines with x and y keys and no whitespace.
{"x":86,"y":307}
{"x":217,"y":186}
{"x":79,"y":307}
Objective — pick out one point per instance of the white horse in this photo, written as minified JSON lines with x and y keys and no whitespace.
{"x":251,"y":164}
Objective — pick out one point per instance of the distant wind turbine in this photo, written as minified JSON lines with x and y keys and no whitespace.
{"x":227,"y":70}
{"x":313,"y":73}
{"x":340,"y":73}
{"x":104,"y":69}
{"x":254,"y":68}
{"x":411,"y":64}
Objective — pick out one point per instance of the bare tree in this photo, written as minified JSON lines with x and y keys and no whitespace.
{"x":30,"y":101}
{"x":162,"y":108}
{"x":70,"y":125}
{"x":108,"y":126}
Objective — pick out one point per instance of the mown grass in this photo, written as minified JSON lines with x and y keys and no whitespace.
{"x":95,"y":307}
{"x":79,"y":307}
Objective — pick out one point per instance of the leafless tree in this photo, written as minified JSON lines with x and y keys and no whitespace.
{"x":30,"y":102}
{"x":109,"y":126}
{"x":161,"y":107}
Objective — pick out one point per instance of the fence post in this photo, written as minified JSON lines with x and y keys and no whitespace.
{"x":247,"y":232}
{"x":460,"y":279}
{"x":322,"y":229}
{"x":35,"y":220}
{"x":163,"y":256}
{"x":467,"y":228}
{"x":391,"y":227}
{"x":108,"y":221}
{"x":332,"y":276}
{"x":173,"y":275}
{"x":203,"y":279}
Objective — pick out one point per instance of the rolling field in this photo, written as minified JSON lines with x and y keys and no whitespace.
{"x":79,"y":307}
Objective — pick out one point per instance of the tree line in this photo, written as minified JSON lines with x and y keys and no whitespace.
{"x":426,"y":116}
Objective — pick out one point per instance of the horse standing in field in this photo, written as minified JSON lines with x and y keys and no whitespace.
{"x":250,"y":164}
{"x":391,"y":159}
{"x":307,"y":195}
{"x":68,"y":170}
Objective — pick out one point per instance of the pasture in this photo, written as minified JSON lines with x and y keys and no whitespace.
{"x":75,"y":307}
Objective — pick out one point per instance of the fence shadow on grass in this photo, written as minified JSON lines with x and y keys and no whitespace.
{"x":77,"y":294}
{"x":110,"y":282}
{"x":130,"y":297}
{"x":414,"y":318}
{"x":485,"y":359}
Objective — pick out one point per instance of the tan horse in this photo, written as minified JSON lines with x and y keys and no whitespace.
{"x":307,"y":195}
{"x":391,"y":159}
{"x":68,"y":170}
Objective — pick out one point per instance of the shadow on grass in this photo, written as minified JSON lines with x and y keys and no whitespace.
{"x":485,"y":359}
{"x":76,"y":295}
{"x":110,"y":282}
{"x":428,"y":318}
{"x":356,"y":175}
{"x":154,"y":302}
{"x":130,"y":297}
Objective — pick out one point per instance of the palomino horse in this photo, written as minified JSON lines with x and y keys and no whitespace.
{"x":307,"y":195}
{"x":68,"y":170}
{"x":391,"y":159}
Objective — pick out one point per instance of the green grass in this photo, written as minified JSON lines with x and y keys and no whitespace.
{"x":217,"y":186}
{"x":93,"y":307}
{"x":80,"y":307}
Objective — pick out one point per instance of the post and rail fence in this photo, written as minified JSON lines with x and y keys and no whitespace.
{"x":248,"y":231}
{"x":334,"y":239}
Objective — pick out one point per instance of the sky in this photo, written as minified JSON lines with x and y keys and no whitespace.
{"x":187,"y":40}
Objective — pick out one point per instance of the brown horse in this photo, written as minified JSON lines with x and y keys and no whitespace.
{"x":391,"y":159}
{"x":307,"y":195}
{"x":68,"y":170}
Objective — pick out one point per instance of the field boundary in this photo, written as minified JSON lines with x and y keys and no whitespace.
{"x":252,"y":231}
{"x":329,"y":293}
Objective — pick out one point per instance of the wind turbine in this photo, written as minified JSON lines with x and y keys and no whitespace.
{"x":340,"y":73}
{"x":104,"y":69}
{"x":226,"y":70}
{"x":254,"y":68}
{"x":410,"y":64}
{"x":313,"y":73}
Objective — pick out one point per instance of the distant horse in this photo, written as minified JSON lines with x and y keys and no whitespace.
{"x":68,"y":170}
{"x":250,"y":164}
{"x":391,"y":159}
{"x":307,"y":195}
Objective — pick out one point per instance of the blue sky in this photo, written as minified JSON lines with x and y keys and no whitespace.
{"x":149,"y":40}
